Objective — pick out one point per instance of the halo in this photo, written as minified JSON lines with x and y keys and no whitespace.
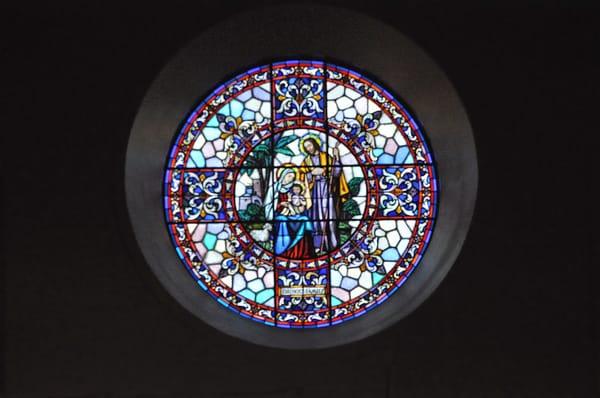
{"x":287,"y":166}
{"x":306,"y":137}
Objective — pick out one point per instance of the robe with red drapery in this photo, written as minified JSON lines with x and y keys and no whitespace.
{"x":287,"y":242}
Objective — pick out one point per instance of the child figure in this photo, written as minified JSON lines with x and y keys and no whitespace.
{"x":297,"y":199}
{"x":297,"y":202}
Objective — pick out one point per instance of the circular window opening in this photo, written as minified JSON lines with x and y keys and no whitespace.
{"x":319,"y":198}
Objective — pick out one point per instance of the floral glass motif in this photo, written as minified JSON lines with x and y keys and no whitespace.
{"x":300,"y":194}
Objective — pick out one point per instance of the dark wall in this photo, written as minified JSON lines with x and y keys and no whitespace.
{"x":83,"y":316}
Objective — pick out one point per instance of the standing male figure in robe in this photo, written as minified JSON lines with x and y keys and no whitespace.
{"x":328,"y":188}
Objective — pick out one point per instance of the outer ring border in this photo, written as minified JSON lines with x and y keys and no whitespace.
{"x":311,"y":32}
{"x":422,"y":247}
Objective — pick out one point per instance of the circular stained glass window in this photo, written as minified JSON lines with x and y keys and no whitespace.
{"x":300,"y":194}
{"x":297,"y":204}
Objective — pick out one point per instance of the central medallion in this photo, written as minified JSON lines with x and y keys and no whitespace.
{"x":299,"y":192}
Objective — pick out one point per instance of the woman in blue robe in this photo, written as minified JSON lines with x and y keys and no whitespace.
{"x":292,"y":230}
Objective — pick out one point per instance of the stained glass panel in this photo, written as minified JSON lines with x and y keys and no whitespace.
{"x":300,"y":194}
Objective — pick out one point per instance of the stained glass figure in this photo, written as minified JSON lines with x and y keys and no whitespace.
{"x":300,"y":194}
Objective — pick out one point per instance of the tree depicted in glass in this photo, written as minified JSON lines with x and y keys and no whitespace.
{"x":300,"y":194}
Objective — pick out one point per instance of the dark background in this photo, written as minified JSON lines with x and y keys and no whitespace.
{"x":517,"y":316}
